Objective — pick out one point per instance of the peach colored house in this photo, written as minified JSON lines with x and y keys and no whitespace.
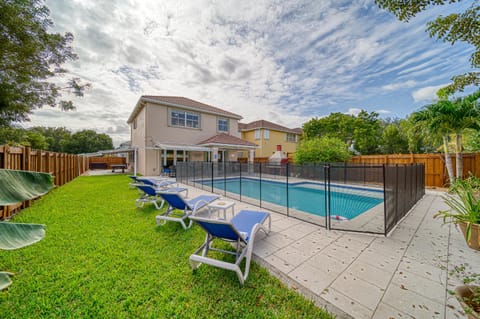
{"x":168,"y":129}
{"x":270,"y":137}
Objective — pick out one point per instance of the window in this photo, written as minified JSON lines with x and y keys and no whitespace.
{"x":290,"y":137}
{"x":257,"y":134}
{"x":184,"y":119}
{"x":222,"y":124}
{"x":266,"y":134}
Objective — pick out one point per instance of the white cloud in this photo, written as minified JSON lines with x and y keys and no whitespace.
{"x":353,"y":111}
{"x":399,"y":85}
{"x":383,"y":111}
{"x":426,"y":94}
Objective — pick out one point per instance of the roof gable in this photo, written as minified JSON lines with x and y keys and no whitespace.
{"x":227,"y":139}
{"x":180,"y":102}
{"x":267,"y":125}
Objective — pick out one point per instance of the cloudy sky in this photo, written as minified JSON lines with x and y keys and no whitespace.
{"x":285,"y":61}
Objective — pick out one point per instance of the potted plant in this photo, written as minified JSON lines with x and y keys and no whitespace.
{"x":468,"y":294}
{"x":464,"y":211}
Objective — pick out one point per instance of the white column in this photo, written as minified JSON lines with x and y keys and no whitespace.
{"x":215,"y":154}
{"x":175,"y":157}
{"x":165,"y":157}
{"x":184,"y":155}
{"x":251,"y":156}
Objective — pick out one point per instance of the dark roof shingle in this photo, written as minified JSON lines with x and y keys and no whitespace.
{"x":183,"y":101}
{"x":226,"y":139}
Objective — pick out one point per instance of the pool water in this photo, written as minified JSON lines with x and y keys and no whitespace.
{"x":346,"y":202}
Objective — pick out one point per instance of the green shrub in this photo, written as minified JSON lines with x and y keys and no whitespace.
{"x":321,"y":150}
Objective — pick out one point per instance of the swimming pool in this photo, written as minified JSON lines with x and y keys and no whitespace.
{"x":309,"y":197}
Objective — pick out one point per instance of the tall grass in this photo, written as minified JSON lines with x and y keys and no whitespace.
{"x":104,"y":258}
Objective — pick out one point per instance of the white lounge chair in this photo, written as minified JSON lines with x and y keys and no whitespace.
{"x":149,"y":194}
{"x":180,"y":209}
{"x":241,"y":230}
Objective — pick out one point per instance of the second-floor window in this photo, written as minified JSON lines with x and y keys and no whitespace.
{"x":290,"y":137}
{"x":266,"y":134}
{"x":222,"y":124}
{"x":184,"y":119}
{"x":257,"y":134}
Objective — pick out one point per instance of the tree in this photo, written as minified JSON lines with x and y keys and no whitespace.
{"x":30,"y":57}
{"x":87,"y":141}
{"x":436,"y":120}
{"x":55,"y":137}
{"x":362,"y":130}
{"x":465,"y":115}
{"x":453,"y":28}
{"x":321,"y":150}
{"x":336,"y":125}
{"x":367,"y":132}
{"x":394,"y":139}
{"x":471,"y":140}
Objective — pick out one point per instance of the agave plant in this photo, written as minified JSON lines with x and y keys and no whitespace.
{"x":464,"y":207}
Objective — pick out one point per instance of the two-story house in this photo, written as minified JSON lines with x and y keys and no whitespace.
{"x":270,"y":137}
{"x":167,"y":129}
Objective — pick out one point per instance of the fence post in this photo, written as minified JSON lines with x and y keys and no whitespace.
{"x":287,"y":173}
{"x":260,"y":179}
{"x":6,"y":157}
{"x":384,"y":166}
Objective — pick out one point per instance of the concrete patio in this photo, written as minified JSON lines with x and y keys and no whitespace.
{"x":405,"y":275}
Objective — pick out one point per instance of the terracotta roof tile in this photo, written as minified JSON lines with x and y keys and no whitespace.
{"x":183,"y":101}
{"x":268,"y":125}
{"x":226,"y":139}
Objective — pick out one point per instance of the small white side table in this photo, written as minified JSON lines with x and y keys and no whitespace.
{"x":221,"y":205}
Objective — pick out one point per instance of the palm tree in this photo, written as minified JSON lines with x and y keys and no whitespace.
{"x":466,"y":115}
{"x":435,"y":119}
{"x":450,"y":117}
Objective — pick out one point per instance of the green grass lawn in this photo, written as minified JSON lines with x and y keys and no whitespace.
{"x":104,"y":258}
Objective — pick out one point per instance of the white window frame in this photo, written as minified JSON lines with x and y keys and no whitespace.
{"x":266,"y":134}
{"x":287,"y":139}
{"x":184,"y":119}
{"x":257,"y":134}
{"x":226,"y":123}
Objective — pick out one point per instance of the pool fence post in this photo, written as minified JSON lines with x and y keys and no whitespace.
{"x":240,"y":175}
{"x":326,"y":181}
{"x":224,"y":177}
{"x":384,"y":201}
{"x":286,"y":173}
{"x":260,"y":179}
{"x":211,"y":180}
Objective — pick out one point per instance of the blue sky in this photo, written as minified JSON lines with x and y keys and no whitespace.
{"x":283,"y":61}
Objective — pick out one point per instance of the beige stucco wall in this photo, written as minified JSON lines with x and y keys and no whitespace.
{"x":159,"y":129}
{"x":153,"y":127}
{"x":137,"y":137}
{"x":269,"y":146}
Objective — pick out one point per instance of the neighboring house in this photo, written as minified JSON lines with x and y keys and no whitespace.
{"x":270,"y":137}
{"x":167,"y":129}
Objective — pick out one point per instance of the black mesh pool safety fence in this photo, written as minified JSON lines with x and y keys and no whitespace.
{"x":358,"y":198}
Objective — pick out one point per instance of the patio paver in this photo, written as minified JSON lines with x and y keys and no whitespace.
{"x":404,"y":275}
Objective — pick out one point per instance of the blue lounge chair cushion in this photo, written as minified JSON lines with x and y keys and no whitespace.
{"x":246,"y":219}
{"x":206,"y":198}
{"x":177,"y":202}
{"x":243,"y":222}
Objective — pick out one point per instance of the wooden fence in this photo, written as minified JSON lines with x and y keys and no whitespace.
{"x":63,"y":167}
{"x":107,"y":160}
{"x":435,"y":170}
